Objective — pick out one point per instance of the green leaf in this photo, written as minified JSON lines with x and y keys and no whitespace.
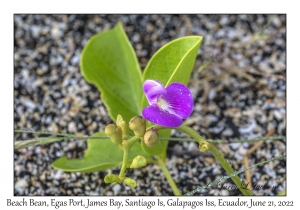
{"x":172,"y":63}
{"x":109,"y":62}
{"x":101,"y":154}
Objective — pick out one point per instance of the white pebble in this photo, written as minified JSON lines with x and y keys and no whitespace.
{"x":116,"y":189}
{"x":58,"y":174}
{"x":72,"y":127}
{"x":278,"y":115}
{"x":22,"y":183}
{"x":29,"y":104}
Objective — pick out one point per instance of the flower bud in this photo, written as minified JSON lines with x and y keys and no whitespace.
{"x":138,"y":161}
{"x":130,"y":182}
{"x":114,"y":132}
{"x":151,"y":137}
{"x":204,"y":146}
{"x":121,"y":123}
{"x":110,"y":178}
{"x":138,"y":126}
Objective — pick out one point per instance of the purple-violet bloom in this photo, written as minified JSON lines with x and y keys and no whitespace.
{"x":168,"y":106}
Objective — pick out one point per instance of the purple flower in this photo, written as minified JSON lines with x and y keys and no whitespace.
{"x":168,"y":106}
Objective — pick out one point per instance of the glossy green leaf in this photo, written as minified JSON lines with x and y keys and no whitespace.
{"x":172,"y":63}
{"x":109,"y":62}
{"x":101,"y":154}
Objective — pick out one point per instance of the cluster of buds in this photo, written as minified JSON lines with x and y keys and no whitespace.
{"x":111,"y":178}
{"x":137,"y":162}
{"x":119,"y":132}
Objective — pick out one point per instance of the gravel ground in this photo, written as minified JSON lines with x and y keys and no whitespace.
{"x":240,"y":94}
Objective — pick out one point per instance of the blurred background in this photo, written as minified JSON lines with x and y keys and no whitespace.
{"x":238,"y":83}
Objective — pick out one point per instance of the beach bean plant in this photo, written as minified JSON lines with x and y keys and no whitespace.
{"x":145,"y":105}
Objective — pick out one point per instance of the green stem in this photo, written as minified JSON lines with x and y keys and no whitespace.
{"x":205,"y":146}
{"x":124,"y":164}
{"x":222,"y":179}
{"x":267,"y":25}
{"x":46,"y":133}
{"x":192,"y":133}
{"x":224,"y":163}
{"x":220,"y":141}
{"x":168,"y":176}
{"x":126,"y":145}
{"x":36,"y":142}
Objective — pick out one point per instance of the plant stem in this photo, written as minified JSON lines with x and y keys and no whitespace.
{"x":220,"y":141}
{"x":124,"y":164}
{"x":224,"y":163}
{"x":168,"y":176}
{"x":36,"y":142}
{"x":126,"y":145}
{"x":192,"y":133}
{"x":267,"y":25}
{"x":205,"y":146}
{"x":233,"y":174}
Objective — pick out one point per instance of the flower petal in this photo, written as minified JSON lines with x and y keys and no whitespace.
{"x":160,"y":117}
{"x":152,"y":90}
{"x":179,"y":99}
